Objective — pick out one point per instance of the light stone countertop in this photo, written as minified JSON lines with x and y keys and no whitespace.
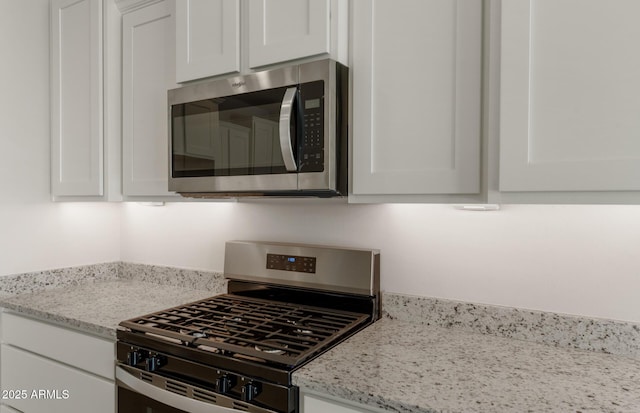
{"x":98,"y":307}
{"x":409,"y":361}
{"x":400,"y":366}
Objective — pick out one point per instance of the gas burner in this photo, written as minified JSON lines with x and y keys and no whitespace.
{"x":301,"y":321}
{"x":196,"y":334}
{"x":303,"y":331}
{"x":265,"y":347}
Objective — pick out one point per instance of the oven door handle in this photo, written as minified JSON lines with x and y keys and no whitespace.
{"x":286,"y":109}
{"x":128,"y":381}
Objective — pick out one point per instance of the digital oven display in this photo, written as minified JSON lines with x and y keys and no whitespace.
{"x":291,"y":263}
{"x":312,"y":103}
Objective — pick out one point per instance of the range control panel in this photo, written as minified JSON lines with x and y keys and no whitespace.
{"x":291,"y":263}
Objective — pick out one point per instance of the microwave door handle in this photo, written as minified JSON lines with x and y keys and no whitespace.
{"x":286,"y":110}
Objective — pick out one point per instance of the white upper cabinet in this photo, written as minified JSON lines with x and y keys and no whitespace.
{"x":76,"y":98}
{"x":217,"y":37}
{"x":416,"y":72}
{"x":281,"y":30}
{"x":207,"y":38}
{"x":558,"y":120}
{"x":85,"y":100}
{"x":148,"y":64}
{"x":570,"y":95}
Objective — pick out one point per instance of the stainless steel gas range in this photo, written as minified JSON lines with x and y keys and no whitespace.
{"x":286,"y":304}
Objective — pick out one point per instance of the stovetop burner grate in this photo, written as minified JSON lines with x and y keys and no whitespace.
{"x":251,"y":327}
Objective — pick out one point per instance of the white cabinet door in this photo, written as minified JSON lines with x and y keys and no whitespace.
{"x":58,"y":388}
{"x":570,"y":95}
{"x":207,"y":38}
{"x":281,"y":30}
{"x":76,"y":98}
{"x":148,"y":72}
{"x":416,"y":71}
{"x":69,"y":371}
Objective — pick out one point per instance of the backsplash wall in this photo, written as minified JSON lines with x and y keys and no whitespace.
{"x":579,"y":260}
{"x":35,"y":233}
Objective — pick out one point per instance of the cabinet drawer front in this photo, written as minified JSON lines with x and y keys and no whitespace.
{"x":93,"y":354}
{"x":58,"y":388}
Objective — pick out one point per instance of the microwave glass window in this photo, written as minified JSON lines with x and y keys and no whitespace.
{"x":230,"y":136}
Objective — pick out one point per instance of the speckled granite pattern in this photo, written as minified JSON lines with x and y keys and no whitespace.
{"x":57,"y":278}
{"x":178,"y":277}
{"x":607,"y":336}
{"x":99,"y":307}
{"x":409,"y":367}
{"x":95,"y":298}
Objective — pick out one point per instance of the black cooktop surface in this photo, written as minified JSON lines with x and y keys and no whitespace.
{"x":254,"y":328}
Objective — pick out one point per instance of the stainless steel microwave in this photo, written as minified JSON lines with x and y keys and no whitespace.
{"x":278,"y":132}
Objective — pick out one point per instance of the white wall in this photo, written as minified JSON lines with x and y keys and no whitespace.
{"x":36,"y":234}
{"x":570,"y":259}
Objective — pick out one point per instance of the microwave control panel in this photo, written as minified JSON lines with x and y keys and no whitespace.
{"x":311,"y":157}
{"x":291,"y":263}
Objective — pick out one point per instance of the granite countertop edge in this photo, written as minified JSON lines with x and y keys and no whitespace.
{"x":61,"y":320}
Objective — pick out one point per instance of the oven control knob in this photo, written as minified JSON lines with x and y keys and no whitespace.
{"x":250,"y":391}
{"x":154,"y":362}
{"x":223,"y":384}
{"x":134,"y":357}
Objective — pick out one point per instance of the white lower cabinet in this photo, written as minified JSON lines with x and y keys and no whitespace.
{"x":69,"y":371}
{"x":35,"y":384}
{"x":318,"y":404}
